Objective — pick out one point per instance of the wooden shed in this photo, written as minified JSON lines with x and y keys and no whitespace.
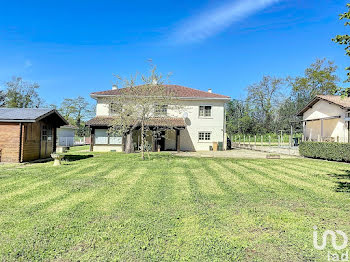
{"x":28,"y":134}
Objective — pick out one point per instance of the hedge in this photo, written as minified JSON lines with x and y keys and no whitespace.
{"x":326,"y":150}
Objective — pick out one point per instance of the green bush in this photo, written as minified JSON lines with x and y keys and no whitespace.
{"x":326,"y":150}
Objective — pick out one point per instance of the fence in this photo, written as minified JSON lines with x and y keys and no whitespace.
{"x":72,"y":141}
{"x":65,"y":141}
{"x":284,"y":144}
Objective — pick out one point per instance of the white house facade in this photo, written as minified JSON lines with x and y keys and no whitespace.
{"x":195,"y":124}
{"x":326,"y":118}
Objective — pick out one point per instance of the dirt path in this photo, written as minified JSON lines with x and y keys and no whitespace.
{"x":234,"y":153}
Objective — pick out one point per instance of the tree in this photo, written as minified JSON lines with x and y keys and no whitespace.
{"x":318,"y":79}
{"x":2,"y":98}
{"x":345,"y":39}
{"x":264,"y":98}
{"x":135,"y":106}
{"x":22,"y":94}
{"x":76,"y":111}
{"x":238,"y":118}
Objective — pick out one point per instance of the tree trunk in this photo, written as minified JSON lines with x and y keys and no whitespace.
{"x":129,"y":145}
{"x":142,"y":140}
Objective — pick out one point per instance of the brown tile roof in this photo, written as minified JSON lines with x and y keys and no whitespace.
{"x":343,"y":102}
{"x":159,"y":122}
{"x":175,"y":90}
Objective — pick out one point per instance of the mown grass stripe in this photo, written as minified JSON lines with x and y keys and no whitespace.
{"x":302,"y":186}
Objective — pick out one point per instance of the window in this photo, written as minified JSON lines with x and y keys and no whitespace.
{"x":204,"y":136}
{"x":205,"y":111}
{"x":44,"y":133}
{"x":101,"y":137}
{"x":114,"y":109}
{"x":49,"y":134}
{"x":161,"y":110}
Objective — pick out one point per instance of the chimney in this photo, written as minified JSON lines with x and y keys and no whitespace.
{"x":210,"y":90}
{"x":114,"y":87}
{"x":154,"y":82}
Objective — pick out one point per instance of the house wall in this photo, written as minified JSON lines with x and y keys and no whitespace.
{"x":9,"y":142}
{"x":189,"y":139}
{"x":102,"y":107}
{"x":107,"y":148}
{"x":331,"y":127}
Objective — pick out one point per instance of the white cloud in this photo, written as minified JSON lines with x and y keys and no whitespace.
{"x":211,"y":22}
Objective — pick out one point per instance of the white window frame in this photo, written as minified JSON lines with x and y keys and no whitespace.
{"x":161,"y":110}
{"x":111,"y":111}
{"x":205,"y":133}
{"x":204,"y":116}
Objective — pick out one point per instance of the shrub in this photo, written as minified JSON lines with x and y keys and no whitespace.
{"x":326,"y":150}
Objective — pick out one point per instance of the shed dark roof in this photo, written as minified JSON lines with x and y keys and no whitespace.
{"x":174,"y":90}
{"x":159,"y":122}
{"x":343,"y":102}
{"x":28,"y":115}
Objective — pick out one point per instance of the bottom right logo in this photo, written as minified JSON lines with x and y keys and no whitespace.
{"x":333,"y":234}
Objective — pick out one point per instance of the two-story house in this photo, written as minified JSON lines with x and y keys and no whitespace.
{"x":194,"y":126}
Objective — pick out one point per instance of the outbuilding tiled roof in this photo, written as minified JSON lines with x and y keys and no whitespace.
{"x":22,"y":113}
{"x":343,"y":102}
{"x":174,"y":90}
{"x":159,"y":122}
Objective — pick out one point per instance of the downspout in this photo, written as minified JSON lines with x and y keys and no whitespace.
{"x":20,"y":142}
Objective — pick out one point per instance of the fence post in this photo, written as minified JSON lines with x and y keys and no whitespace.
{"x":279,"y":141}
{"x":261,"y":137}
{"x":249,"y":140}
{"x":244,"y":140}
{"x":255,"y":141}
{"x":269,"y":140}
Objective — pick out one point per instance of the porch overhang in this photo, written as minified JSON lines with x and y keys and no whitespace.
{"x":322,"y":118}
{"x":167,"y":123}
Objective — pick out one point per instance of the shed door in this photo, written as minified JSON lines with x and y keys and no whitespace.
{"x":46,"y":144}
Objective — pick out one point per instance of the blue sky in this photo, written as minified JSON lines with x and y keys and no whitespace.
{"x":73,"y":47}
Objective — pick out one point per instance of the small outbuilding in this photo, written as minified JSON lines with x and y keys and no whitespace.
{"x":28,"y":134}
{"x":65,"y":135}
{"x":326,"y":118}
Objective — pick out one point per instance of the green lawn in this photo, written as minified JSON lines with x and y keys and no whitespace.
{"x":115,"y":207}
